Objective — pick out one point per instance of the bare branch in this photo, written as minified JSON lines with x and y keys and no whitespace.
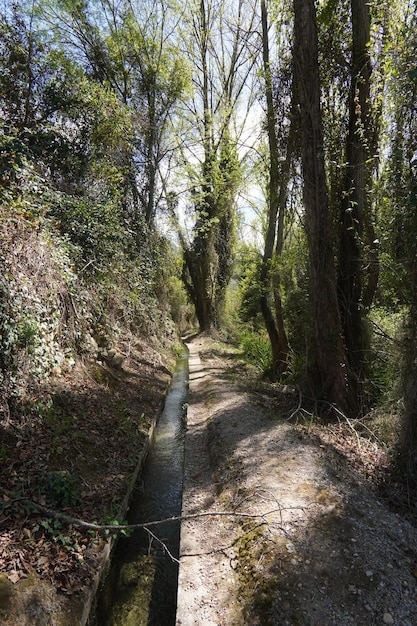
{"x":119,"y":528}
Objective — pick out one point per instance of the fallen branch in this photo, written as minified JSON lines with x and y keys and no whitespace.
{"x":119,"y":528}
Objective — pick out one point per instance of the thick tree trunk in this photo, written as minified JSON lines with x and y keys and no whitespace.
{"x":208,"y":258}
{"x":355,"y":205}
{"x":276,"y":203}
{"x":328,"y":375}
{"x":198,"y":277}
{"x":195,"y":273}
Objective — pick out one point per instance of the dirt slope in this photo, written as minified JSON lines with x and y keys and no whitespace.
{"x":324,"y":548}
{"x":76,"y":448}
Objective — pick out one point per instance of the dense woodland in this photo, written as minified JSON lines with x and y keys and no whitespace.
{"x":247,"y":167}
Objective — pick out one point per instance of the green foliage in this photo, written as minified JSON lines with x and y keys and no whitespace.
{"x":116,"y":521}
{"x":61,"y":489}
{"x":85,"y":114}
{"x":33,"y":283}
{"x":248,"y":266}
{"x":95,"y":229}
{"x":136,"y":75}
{"x":387,"y":344}
{"x":231,"y":320}
{"x":295,"y":298}
{"x":24,"y":69}
{"x":209,"y":258}
{"x":292,"y":270}
{"x":37,"y":98}
{"x":179,"y":305}
{"x":257,"y":350}
{"x":13,"y":155}
{"x":393,"y":284}
{"x":60,"y":534}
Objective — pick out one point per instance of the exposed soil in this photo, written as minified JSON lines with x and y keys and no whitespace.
{"x":324,"y":547}
{"x":72,"y":446}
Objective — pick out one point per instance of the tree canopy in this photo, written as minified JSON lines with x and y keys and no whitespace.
{"x":136,"y":132}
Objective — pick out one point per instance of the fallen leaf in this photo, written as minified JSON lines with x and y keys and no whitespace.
{"x":13,"y":576}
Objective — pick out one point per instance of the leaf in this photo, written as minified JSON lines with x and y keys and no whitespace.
{"x":13,"y":576}
{"x":42,"y":561}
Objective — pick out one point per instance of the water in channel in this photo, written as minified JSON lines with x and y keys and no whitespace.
{"x":141,"y":587}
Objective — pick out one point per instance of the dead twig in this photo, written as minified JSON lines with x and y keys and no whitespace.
{"x":300,"y":402}
{"x":164,"y":546}
{"x":348,"y":422}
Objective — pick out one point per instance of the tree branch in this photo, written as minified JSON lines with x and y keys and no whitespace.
{"x":117,"y":528}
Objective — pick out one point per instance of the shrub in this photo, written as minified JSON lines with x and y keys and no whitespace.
{"x":60,"y":488}
{"x":384,"y":372}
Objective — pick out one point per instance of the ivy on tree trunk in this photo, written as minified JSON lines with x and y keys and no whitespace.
{"x":355,"y":204}
{"x":329,"y":378}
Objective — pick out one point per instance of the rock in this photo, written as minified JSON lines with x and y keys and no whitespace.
{"x":388,"y":619}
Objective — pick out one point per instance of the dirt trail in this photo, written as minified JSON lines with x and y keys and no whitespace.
{"x":326,"y":551}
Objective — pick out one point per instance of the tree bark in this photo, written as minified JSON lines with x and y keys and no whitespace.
{"x":355,"y":206}
{"x":328,"y":374}
{"x":218,"y":56}
{"x":275,"y":326}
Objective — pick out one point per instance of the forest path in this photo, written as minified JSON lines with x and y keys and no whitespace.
{"x":325,"y":551}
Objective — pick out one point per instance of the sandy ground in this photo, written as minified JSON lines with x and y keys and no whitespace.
{"x":320,"y":548}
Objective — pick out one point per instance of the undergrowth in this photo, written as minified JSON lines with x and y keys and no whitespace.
{"x":257,"y":351}
{"x":71,"y":280}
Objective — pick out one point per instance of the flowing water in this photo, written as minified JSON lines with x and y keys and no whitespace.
{"x":141,"y":588}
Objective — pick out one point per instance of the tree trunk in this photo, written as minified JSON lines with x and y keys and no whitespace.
{"x":198,"y":277}
{"x":355,"y":205}
{"x":194,"y":274}
{"x":276,"y":203}
{"x":408,"y":447}
{"x":328,"y":374}
{"x":208,"y":258}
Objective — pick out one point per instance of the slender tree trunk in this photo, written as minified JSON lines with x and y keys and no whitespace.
{"x":355,"y":205}
{"x":328,"y":374}
{"x":409,"y":434}
{"x":276,"y":200}
{"x":408,"y":445}
{"x":151,"y":167}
